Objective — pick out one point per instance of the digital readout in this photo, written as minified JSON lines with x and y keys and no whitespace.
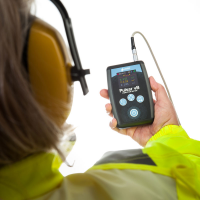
{"x":127,"y":79}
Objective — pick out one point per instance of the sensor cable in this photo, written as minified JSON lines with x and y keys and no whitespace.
{"x":135,"y":58}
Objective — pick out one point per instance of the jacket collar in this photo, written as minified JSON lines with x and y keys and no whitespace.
{"x":31,"y":177}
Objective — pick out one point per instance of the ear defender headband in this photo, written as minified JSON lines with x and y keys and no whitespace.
{"x":47,"y":61}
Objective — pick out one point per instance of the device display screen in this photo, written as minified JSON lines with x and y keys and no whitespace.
{"x":126,"y":76}
{"x":127,"y":79}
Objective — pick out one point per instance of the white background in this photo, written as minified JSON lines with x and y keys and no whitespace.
{"x":102,"y":30}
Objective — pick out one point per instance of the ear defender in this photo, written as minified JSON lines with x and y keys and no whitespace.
{"x":49,"y":69}
{"x":48,"y":63}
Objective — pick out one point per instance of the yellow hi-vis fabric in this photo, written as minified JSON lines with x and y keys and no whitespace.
{"x":177,"y":156}
{"x":174,"y":173}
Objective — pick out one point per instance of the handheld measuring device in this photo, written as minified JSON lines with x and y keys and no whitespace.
{"x":130,"y":94}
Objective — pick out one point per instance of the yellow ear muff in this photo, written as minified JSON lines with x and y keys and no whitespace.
{"x":49,"y":67}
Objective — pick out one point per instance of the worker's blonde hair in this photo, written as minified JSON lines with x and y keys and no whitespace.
{"x":24,"y":127}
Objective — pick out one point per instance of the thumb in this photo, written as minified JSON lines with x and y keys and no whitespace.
{"x":159,"y":90}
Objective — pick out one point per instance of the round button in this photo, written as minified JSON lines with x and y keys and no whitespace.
{"x":123,"y":102}
{"x":140,"y":99}
{"x":131,"y":97}
{"x":134,"y":113}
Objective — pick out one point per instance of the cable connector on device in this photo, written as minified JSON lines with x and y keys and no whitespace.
{"x":135,"y":56}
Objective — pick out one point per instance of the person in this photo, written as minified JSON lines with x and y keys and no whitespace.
{"x":166,"y":168}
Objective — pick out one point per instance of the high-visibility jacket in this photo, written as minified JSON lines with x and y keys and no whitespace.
{"x":168,"y":167}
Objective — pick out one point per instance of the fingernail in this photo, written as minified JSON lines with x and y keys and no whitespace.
{"x":112,"y":123}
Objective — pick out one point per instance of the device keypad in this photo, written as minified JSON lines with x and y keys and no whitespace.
{"x":131,"y":97}
{"x":123,"y":102}
{"x":140,"y":99}
{"x":134,"y":113}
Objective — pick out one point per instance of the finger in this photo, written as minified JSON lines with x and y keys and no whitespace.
{"x":121,"y":131}
{"x":113,"y":123}
{"x":104,"y":93}
{"x":129,"y":132}
{"x":159,"y":90}
{"x":109,"y":109}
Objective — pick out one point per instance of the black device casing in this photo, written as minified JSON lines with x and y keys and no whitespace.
{"x":122,"y":113}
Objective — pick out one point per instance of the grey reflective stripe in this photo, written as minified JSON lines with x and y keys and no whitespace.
{"x":114,"y":185}
{"x":135,"y":184}
{"x":135,"y":156}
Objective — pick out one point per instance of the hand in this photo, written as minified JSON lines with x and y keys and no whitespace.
{"x":164,"y":115}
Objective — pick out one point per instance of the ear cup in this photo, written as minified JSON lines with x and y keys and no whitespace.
{"x":49,"y":67}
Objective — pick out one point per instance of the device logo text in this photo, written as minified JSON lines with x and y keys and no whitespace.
{"x":128,"y":90}
{"x":126,"y":68}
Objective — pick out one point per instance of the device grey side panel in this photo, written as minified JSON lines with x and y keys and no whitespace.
{"x":148,"y":89}
{"x":111,"y":96}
